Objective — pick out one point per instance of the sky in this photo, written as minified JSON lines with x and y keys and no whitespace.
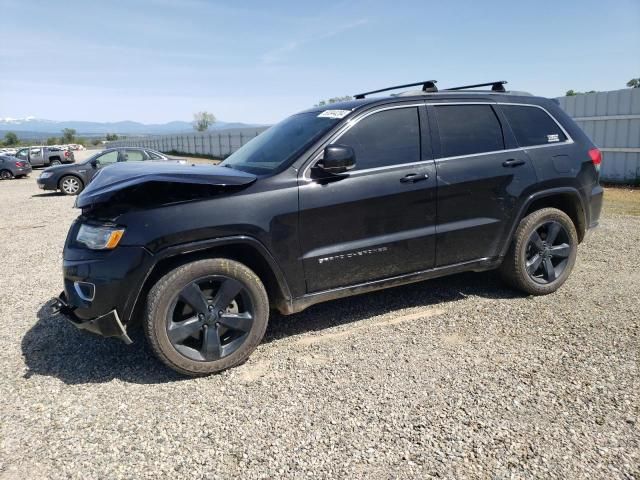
{"x":253,"y":61}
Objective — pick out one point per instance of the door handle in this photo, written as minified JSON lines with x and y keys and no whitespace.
{"x":414,"y":177}
{"x":512,"y":162}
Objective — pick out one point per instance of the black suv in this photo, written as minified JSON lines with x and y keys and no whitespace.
{"x":334,"y":201}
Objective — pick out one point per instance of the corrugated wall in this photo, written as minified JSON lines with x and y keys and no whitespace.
{"x":612,"y":121}
{"x":219,"y":143}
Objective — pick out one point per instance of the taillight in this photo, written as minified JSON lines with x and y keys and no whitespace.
{"x":596,"y":157}
{"x":20,"y":164}
{"x":66,"y":154}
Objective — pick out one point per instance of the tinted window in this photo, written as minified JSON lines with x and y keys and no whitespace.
{"x":22,"y":154}
{"x":468,"y":129}
{"x":532,"y":126}
{"x":390,"y":137}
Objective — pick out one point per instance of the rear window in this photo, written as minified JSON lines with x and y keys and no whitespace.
{"x":532,"y":126}
{"x":468,"y":129}
{"x":154,"y":156}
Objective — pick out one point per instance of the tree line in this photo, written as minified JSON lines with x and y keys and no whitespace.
{"x":633,"y":83}
{"x":68,"y":136}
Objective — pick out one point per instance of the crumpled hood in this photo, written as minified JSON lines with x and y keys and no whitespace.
{"x":60,"y":168}
{"x":115,"y":178}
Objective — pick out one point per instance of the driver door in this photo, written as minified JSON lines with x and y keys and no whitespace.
{"x":377,"y":220}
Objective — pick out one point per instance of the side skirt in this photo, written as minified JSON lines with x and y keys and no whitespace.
{"x":298,"y":304}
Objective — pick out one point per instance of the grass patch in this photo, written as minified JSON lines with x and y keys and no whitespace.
{"x":622,"y":201}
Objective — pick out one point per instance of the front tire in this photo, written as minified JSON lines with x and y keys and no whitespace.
{"x":542,"y":253}
{"x":206,"y":316}
{"x":70,"y":185}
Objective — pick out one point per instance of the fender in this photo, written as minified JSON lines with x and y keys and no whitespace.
{"x":536,"y":196}
{"x":201,"y":245}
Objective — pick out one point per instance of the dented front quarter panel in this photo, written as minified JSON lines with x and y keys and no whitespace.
{"x":264,"y":209}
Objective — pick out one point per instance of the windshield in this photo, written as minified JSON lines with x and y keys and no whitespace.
{"x":274,"y":148}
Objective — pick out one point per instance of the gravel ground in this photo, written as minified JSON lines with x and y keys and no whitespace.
{"x":453,"y":378}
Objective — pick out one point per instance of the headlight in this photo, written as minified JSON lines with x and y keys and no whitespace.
{"x":99,"y":238}
{"x":46,"y":174}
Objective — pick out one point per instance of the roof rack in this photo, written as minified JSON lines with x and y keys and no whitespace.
{"x":427,"y":86}
{"x":495,"y":86}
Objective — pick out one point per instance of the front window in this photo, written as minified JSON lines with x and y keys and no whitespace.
{"x":107,"y":159}
{"x":390,"y":137}
{"x":274,"y":148}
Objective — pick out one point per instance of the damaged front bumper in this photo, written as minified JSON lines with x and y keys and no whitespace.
{"x":108,"y":325}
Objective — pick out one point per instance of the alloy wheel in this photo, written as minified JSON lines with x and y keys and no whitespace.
{"x":5,"y":175}
{"x":547,"y":252}
{"x":210,"y":318}
{"x":70,"y":186}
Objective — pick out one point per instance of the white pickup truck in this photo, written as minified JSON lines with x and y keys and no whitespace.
{"x":45,"y":156}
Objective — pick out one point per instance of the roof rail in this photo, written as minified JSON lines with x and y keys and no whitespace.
{"x":427,"y":86}
{"x":495,"y":86}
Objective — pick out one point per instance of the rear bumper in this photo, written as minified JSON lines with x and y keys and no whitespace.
{"x":107,"y":325}
{"x":595,"y":206}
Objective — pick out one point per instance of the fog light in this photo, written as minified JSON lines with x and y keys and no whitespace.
{"x":85,"y":290}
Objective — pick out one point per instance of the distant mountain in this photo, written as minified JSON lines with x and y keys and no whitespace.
{"x":38,"y":126}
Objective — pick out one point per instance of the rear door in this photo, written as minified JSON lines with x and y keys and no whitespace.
{"x":377,"y":220}
{"x":482,"y":175}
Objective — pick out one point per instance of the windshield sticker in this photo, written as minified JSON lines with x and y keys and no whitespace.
{"x":553,"y":138}
{"x":334,"y":114}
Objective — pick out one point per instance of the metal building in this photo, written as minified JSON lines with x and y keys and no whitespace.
{"x":612,"y":121}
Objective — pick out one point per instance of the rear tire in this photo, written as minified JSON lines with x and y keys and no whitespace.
{"x":70,"y":185}
{"x":193,"y":327}
{"x":542,"y":253}
{"x":6,"y":175}
{"x":55,"y":162}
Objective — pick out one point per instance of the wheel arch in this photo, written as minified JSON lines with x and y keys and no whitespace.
{"x":245,"y":250}
{"x":565,"y":199}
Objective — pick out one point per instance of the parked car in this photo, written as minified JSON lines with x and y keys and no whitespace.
{"x":334,"y":201}
{"x":72,"y":179}
{"x":8,"y":151}
{"x":10,"y":167}
{"x":45,"y":156}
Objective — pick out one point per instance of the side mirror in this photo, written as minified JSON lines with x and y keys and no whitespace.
{"x":337,"y":159}
{"x":94,"y":163}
